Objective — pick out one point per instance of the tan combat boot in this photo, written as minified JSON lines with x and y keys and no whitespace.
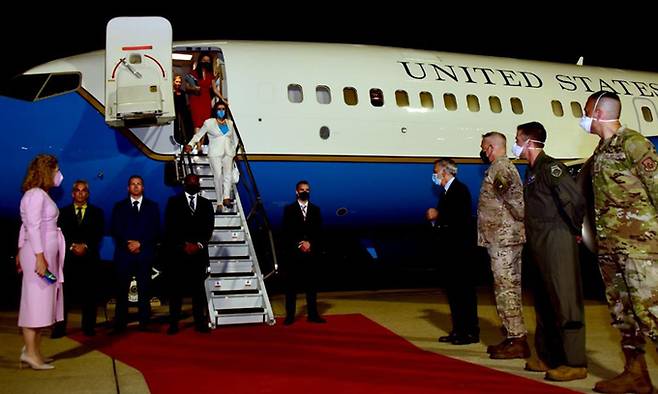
{"x":634,"y":379}
{"x":494,"y":348}
{"x":513,"y":348}
{"x":565,"y":373}
{"x":536,"y":365}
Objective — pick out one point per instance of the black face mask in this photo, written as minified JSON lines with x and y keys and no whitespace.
{"x":304,"y":196}
{"x":205,"y":65}
{"x":484,"y":157}
{"x":192,"y":189}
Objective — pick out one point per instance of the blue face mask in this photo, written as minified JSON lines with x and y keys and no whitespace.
{"x":435,"y":179}
{"x":221,"y":113}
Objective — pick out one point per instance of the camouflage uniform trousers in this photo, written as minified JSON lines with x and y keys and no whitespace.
{"x":632,"y":293}
{"x":506,"y":268}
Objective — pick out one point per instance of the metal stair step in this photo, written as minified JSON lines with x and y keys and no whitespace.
{"x":224,"y":266}
{"x":236,"y":283}
{"x":228,"y":250}
{"x":224,"y":303}
{"x":228,"y":236}
{"x":228,"y":221}
{"x":241,"y":318}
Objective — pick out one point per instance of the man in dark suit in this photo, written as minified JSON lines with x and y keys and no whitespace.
{"x":135,"y":228}
{"x":82,"y":225}
{"x":302,"y":226}
{"x":189,"y":223}
{"x":453,"y":226}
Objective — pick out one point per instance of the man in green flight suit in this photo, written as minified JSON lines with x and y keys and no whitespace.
{"x":554,"y":216}
{"x":625,"y":184}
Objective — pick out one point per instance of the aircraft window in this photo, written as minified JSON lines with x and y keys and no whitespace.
{"x":495,"y":105}
{"x":324,"y":132}
{"x":135,"y":58}
{"x":557,"y":108}
{"x":31,"y":87}
{"x":350,"y":96}
{"x":376,"y":97}
{"x":59,"y":84}
{"x":426,"y":100}
{"x":323,"y":94}
{"x":295,"y":93}
{"x":576,"y":109}
{"x":517,"y":105}
{"x":402,"y":98}
{"x":473,"y":103}
{"x":646,"y":112}
{"x":450,"y":102}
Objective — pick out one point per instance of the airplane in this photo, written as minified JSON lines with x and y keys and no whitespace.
{"x":361,"y":123}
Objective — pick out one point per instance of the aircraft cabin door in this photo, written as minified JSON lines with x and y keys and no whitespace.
{"x":645,"y":112}
{"x":138,"y":80}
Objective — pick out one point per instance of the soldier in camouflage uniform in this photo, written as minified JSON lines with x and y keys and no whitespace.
{"x":554,"y":215}
{"x":501,"y":231}
{"x":625,"y":184}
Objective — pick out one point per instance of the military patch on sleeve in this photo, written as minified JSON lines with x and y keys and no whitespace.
{"x":556,"y":171}
{"x":649,"y":164}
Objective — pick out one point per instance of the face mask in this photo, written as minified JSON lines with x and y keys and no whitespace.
{"x":205,"y":65}
{"x":304,"y":196}
{"x":484,"y":157}
{"x":436,"y":180}
{"x":517,"y":150}
{"x":221,"y":113}
{"x":192,"y":189}
{"x":58,"y":178}
{"x":586,"y":123}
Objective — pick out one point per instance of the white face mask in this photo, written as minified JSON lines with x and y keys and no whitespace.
{"x":517,"y":150}
{"x":586,"y":121}
{"x":58,"y":178}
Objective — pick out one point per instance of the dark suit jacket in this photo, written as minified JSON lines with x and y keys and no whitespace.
{"x":295,"y":229}
{"x":143,"y":227}
{"x":181,"y":225}
{"x":89,"y":231}
{"x":455,"y":220}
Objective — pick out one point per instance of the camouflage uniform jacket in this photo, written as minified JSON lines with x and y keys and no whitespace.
{"x":625,"y":183}
{"x":500,"y":207}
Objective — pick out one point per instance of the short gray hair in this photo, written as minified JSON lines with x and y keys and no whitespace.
{"x":448,"y":164}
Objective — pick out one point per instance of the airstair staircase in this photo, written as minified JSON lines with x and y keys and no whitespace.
{"x":235,"y":286}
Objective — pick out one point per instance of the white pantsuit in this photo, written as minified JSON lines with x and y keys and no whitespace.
{"x":221,"y":151}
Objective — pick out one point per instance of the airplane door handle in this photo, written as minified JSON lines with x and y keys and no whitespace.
{"x":131,"y":68}
{"x":403,"y":130}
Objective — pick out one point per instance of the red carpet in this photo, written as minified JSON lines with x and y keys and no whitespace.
{"x":349,"y":354}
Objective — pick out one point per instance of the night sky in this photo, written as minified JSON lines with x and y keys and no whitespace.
{"x":559,"y":35}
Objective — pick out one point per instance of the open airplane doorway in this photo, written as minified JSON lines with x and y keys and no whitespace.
{"x":190,"y":99}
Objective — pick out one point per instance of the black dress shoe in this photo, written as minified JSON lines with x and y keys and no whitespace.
{"x":288,"y":321}
{"x":89,"y":332}
{"x":466,"y":339}
{"x":202,"y":329}
{"x":173,"y":329}
{"x":316,"y":319}
{"x":448,"y":338}
{"x":144,"y":327}
{"x":117,"y":331}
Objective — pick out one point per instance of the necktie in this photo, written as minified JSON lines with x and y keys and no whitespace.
{"x":78,"y":215}
{"x":192,"y":203}
{"x":304,"y":211}
{"x":136,"y":207}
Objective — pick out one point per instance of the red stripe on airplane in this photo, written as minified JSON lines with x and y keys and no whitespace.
{"x":115,"y":67}
{"x":137,"y":48}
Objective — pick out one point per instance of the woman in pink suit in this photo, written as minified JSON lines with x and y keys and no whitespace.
{"x":41,"y":251}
